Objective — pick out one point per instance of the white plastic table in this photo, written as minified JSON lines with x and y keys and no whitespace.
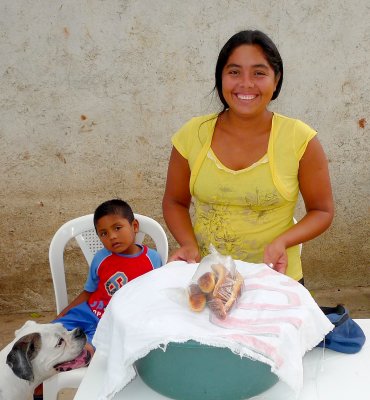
{"x":328,"y":375}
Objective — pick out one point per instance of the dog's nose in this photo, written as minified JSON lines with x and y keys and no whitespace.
{"x":78,"y":333}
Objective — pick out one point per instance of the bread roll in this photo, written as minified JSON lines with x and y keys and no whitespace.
{"x":236,"y":291}
{"x":194,"y":289}
{"x":197,"y":299}
{"x":207,"y":282}
{"x":197,"y":302}
{"x":217,"y":307}
{"x":221,"y":273}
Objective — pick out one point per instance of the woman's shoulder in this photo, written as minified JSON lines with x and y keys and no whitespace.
{"x":291,"y":134}
{"x":201,"y":119}
{"x":206,"y":117}
{"x":283,"y":120}
{"x":194,"y":133}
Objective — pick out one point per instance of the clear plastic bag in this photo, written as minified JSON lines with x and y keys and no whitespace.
{"x":216,"y":283}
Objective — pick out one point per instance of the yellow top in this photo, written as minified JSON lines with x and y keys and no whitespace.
{"x":240,"y":212}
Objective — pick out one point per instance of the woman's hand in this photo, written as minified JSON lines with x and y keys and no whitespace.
{"x":275,"y":254}
{"x":190,"y":254}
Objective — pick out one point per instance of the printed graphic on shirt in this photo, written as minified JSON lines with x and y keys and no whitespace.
{"x":234,"y":227}
{"x":97,"y":307}
{"x":115,"y":282}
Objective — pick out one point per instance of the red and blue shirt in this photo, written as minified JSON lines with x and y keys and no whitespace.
{"x":110,"y":271}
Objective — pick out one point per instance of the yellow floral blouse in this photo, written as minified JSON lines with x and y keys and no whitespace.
{"x":240,"y":212}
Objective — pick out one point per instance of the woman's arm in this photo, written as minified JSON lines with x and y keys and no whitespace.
{"x":176,"y":204}
{"x":315,"y":187}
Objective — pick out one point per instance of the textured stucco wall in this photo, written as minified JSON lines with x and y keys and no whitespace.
{"x":91,"y":92}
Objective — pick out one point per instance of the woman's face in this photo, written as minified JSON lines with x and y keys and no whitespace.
{"x":248,"y":81}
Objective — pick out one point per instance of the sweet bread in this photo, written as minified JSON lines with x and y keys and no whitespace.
{"x":194,"y":289}
{"x":207,"y":282}
{"x":221,"y":273}
{"x":236,"y":291}
{"x":197,"y":299}
{"x":217,"y":288}
{"x":197,"y":302}
{"x":217,"y":306}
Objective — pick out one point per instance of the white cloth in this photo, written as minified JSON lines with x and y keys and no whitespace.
{"x":275,"y":321}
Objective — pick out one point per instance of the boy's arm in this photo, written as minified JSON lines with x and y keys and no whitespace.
{"x":82,"y":297}
{"x":91,"y":283}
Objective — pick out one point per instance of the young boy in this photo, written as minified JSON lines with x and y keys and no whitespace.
{"x":120,"y":261}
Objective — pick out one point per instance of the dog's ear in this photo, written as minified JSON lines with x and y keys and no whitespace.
{"x":23,"y":352}
{"x":29,"y":325}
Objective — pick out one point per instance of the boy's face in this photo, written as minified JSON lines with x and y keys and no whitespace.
{"x":117,"y":234}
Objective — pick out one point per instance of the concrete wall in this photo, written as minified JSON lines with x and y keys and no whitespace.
{"x":92,"y":90}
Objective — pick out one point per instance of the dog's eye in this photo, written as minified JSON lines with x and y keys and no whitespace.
{"x":60,"y":342}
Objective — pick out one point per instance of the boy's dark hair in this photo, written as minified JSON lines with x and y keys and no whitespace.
{"x":115,"y":207}
{"x":249,"y":37}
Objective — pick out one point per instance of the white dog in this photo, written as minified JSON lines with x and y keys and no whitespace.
{"x":35,"y":354}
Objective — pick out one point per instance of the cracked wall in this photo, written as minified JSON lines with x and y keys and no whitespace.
{"x":91,"y":92}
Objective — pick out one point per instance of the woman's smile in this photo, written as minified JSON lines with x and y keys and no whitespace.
{"x":245,"y":97}
{"x":248,"y":81}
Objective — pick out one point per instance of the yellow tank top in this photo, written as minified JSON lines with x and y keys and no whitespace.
{"x":240,"y":212}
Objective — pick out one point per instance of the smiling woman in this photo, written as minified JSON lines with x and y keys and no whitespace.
{"x":248,"y":81}
{"x":245,"y":166}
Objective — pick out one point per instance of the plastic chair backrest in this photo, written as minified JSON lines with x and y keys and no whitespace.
{"x":82,"y":229}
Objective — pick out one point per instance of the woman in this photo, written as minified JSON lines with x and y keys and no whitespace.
{"x":245,"y":167}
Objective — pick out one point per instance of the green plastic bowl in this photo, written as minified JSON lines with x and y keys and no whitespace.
{"x":193,"y":371}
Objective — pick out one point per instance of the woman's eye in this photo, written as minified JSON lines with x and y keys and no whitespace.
{"x":60,"y":342}
{"x":233,"y":72}
{"x":103,"y":234}
{"x":259,"y":73}
{"x":118,"y":228}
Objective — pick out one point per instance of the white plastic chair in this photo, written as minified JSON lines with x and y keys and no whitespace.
{"x":83,"y":231}
{"x":300,"y":244}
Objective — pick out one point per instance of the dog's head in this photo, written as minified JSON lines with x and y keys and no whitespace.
{"x":39,"y":348}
